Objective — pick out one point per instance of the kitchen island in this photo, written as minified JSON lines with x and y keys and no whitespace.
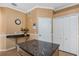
{"x":37,"y":48}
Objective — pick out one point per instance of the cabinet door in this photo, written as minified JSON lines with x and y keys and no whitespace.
{"x":58,"y":31}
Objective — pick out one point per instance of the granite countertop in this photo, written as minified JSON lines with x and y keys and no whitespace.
{"x":38,"y":48}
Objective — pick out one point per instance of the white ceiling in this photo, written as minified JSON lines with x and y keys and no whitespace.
{"x":24,"y":7}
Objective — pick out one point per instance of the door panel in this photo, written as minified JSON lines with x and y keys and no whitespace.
{"x":73,"y":33}
{"x":44,"y":29}
{"x":58,"y":32}
{"x":70,"y":34}
{"x":65,"y":33}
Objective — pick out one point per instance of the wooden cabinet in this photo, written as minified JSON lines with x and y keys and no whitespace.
{"x":65,"y":33}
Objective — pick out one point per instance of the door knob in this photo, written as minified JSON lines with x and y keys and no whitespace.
{"x":39,"y":34}
{"x":65,"y":38}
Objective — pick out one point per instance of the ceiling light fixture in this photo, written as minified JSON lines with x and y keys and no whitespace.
{"x":14,"y":4}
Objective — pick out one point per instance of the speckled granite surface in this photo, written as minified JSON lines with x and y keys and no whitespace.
{"x":38,"y":48}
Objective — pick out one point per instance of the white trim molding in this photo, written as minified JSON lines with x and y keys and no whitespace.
{"x":66,"y":7}
{"x":8,"y":49}
{"x":39,"y":7}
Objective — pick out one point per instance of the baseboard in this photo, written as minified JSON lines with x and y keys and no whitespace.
{"x":8,"y":49}
{"x":68,"y":52}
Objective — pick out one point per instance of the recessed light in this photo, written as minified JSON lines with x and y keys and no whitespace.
{"x":14,"y":4}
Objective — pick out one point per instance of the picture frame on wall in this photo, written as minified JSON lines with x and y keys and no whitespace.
{"x":18,"y":21}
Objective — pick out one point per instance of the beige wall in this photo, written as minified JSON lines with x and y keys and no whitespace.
{"x":8,"y":20}
{"x":44,"y":12}
{"x":2,"y":42}
{"x":10,"y":16}
{"x":0,"y":21}
{"x":8,"y":26}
